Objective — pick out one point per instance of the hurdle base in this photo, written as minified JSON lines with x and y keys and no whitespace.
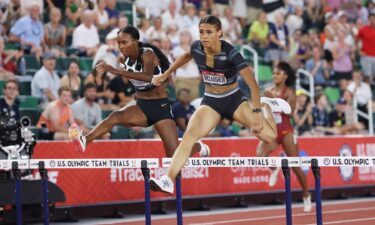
{"x":116,"y":214}
{"x":160,"y":209}
{"x":68,"y":217}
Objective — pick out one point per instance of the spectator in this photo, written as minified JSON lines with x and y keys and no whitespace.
{"x":320,"y":112}
{"x":239,"y":11}
{"x":232,"y":29}
{"x":156,"y":31}
{"x":87,"y":113}
{"x":113,"y":14}
{"x":182,"y":110}
{"x":313,"y":15}
{"x":108,"y":52}
{"x":187,"y":76}
{"x":8,"y":104}
{"x":345,"y":27}
{"x":254,"y":8}
{"x":73,"y":13}
{"x":172,"y":16}
{"x":58,"y":116}
{"x":166,"y":48}
{"x":173,"y":35}
{"x":329,"y":35}
{"x":46,"y":82}
{"x":303,"y":52}
{"x":258,"y":32}
{"x":154,"y":8}
{"x":55,"y":33}
{"x":302,"y":114}
{"x":8,"y":59}
{"x":123,"y":91}
{"x":101,"y":80}
{"x":102,"y":21}
{"x":10,"y":14}
{"x":342,"y":58}
{"x":317,"y":67}
{"x":73,"y":80}
{"x":26,"y":4}
{"x":361,"y":92}
{"x":294,"y":20}
{"x":190,"y":19}
{"x":367,"y":36}
{"x":85,"y":36}
{"x":28,"y":31}
{"x":279,"y":43}
{"x":143,"y":27}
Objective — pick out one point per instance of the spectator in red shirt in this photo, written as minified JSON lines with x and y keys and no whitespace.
{"x":8,"y":59}
{"x":367,"y":35}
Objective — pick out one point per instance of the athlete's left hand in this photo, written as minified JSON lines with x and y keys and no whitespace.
{"x":257,"y":124}
{"x":102,"y":67}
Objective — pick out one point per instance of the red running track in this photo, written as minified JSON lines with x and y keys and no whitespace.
{"x":345,"y":212}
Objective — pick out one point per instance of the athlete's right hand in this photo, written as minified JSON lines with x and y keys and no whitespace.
{"x":158,"y":80}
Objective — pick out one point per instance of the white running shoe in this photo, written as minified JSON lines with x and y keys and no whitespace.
{"x":274,"y":176}
{"x":307,"y":204}
{"x":77,"y":137}
{"x":277,"y":105}
{"x":164,"y":184}
{"x":205,"y":149}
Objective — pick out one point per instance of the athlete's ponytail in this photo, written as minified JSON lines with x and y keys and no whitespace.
{"x":134,"y":33}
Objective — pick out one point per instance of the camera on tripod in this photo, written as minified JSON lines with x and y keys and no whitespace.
{"x":16,"y":139}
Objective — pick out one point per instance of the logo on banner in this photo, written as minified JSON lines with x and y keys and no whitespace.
{"x":52,"y":163}
{"x":326,"y":161}
{"x":346,"y":172}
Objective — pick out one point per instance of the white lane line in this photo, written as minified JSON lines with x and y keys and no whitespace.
{"x":344,"y":221}
{"x":283,"y":216}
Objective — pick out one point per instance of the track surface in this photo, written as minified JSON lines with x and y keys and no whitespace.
{"x":345,"y":212}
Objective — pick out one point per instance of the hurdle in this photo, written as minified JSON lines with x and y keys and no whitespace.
{"x":145,"y":164}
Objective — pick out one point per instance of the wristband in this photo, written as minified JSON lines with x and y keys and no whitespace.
{"x":257,"y":110}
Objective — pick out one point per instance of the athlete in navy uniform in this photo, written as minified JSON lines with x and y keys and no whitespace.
{"x":142,"y":61}
{"x":219,"y":64}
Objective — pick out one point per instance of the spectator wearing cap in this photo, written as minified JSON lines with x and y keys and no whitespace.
{"x":86,"y":36}
{"x":108,"y":52}
{"x":28,"y":31}
{"x":366,"y":36}
{"x":45,"y":83}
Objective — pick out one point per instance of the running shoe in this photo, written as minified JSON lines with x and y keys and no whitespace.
{"x":277,"y":105}
{"x":164,"y":184}
{"x":77,"y":137}
{"x":307,"y":204}
{"x":205,"y":149}
{"x":274,"y":176}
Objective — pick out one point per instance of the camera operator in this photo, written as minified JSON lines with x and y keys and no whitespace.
{"x":8,"y":104}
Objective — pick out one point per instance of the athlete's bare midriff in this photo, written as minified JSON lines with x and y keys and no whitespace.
{"x":215,"y":89}
{"x":155,"y":93}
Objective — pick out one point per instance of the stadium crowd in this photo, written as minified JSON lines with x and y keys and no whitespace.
{"x":51,"y":47}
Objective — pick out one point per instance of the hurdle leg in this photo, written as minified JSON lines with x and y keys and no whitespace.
{"x":318,"y":193}
{"x":288,"y":195}
{"x":146,"y":176}
{"x":179,"y":200}
{"x":17,"y":176}
{"x":44,"y":176}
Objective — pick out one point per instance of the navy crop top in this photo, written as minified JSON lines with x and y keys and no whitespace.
{"x":227,"y":64}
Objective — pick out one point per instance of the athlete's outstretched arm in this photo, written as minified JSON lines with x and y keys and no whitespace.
{"x":149,"y":63}
{"x":180,"y":61}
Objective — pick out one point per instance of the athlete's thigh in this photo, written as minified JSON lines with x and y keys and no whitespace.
{"x":289,"y":146}
{"x":243,"y":114}
{"x":203,"y":120}
{"x":130,"y":116}
{"x":167,"y":131}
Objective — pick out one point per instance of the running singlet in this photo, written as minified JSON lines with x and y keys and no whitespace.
{"x":282,"y":121}
{"x":137,"y":66}
{"x":227,"y":64}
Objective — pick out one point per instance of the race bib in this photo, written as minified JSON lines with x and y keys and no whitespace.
{"x":277,"y":117}
{"x":210,"y":77}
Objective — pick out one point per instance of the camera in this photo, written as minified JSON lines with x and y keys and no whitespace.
{"x":16,"y":139}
